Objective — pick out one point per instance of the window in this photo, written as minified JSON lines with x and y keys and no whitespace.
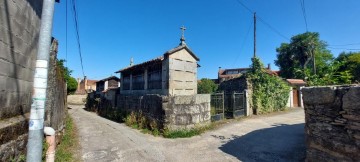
{"x":154,"y":79}
{"x":138,"y":82}
{"x":232,"y":72}
{"x":126,"y":83}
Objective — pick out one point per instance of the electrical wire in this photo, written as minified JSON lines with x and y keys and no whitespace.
{"x":76,"y":21}
{"x":302,"y":4}
{"x":66,"y":32}
{"x":350,"y":44}
{"x":243,"y":43}
{"x":263,"y":21}
{"x":349,"y":49}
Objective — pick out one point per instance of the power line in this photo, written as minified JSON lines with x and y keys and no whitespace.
{"x":349,"y":49}
{"x":66,"y":33}
{"x":77,"y":34}
{"x":302,"y":4}
{"x":349,"y":44}
{"x":243,"y":43}
{"x":263,"y":21}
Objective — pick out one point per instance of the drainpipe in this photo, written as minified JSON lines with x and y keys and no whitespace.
{"x":50,"y":140}
{"x":37,"y":111}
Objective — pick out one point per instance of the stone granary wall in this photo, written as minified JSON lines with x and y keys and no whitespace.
{"x":332,"y":116}
{"x":171,"y":112}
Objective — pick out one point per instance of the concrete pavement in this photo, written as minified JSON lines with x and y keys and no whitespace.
{"x":278,"y":137}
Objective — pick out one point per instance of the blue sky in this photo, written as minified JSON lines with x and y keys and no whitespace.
{"x":219,"y":32}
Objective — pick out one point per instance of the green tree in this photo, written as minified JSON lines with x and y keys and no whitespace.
{"x":350,"y":64}
{"x":206,"y":86}
{"x":295,"y":57}
{"x":66,"y":72}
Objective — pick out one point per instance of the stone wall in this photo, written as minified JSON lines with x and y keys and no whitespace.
{"x":76,"y":99}
{"x":149,"y":105}
{"x":237,"y":84}
{"x":332,"y":116}
{"x":185,"y":112}
{"x":14,"y":130}
{"x":171,"y":112}
{"x":56,"y":103}
{"x":19,"y":32}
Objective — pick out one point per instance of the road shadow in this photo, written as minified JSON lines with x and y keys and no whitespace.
{"x":279,"y":143}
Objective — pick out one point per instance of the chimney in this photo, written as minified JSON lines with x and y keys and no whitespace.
{"x":269,"y":67}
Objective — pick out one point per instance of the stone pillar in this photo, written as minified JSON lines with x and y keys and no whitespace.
{"x":146,"y":79}
{"x":131,"y":81}
{"x":301,"y":97}
{"x":106,"y":85}
{"x":121,"y":81}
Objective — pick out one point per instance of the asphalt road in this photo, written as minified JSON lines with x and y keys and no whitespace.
{"x":277,"y":137}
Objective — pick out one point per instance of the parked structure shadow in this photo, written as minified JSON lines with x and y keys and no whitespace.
{"x":279,"y":143}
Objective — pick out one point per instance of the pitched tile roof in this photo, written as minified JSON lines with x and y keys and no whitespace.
{"x":178,"y":48}
{"x":108,"y":78}
{"x":158,"y":59}
{"x":161,"y":58}
{"x":222,"y":72}
{"x":296,"y":81}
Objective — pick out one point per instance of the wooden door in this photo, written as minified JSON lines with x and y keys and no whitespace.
{"x":295,"y":98}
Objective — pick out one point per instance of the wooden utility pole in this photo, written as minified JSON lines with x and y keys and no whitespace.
{"x":254,"y":34}
{"x":314,"y":65}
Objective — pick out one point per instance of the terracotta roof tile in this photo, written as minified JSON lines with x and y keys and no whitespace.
{"x":296,"y":81}
{"x":141,"y":64}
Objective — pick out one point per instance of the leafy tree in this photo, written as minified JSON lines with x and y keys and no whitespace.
{"x":295,"y":57}
{"x":206,"y":86}
{"x":66,"y":72}
{"x":350,"y":64}
{"x":71,"y":85}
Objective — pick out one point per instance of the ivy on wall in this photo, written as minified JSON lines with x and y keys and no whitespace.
{"x":270,"y":93}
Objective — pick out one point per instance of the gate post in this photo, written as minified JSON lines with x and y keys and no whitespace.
{"x":233,"y":103}
{"x":223,"y":104}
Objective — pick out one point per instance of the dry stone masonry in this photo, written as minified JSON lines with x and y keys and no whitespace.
{"x":332,"y":116}
{"x":171,"y":112}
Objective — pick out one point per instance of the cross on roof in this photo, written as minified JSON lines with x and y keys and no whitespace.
{"x":183,"y":30}
{"x":182,"y":39}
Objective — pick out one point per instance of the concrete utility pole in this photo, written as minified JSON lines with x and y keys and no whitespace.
{"x":254,"y":34}
{"x":37,"y":111}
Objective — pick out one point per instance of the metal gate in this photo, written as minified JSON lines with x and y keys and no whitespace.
{"x":227,"y":105}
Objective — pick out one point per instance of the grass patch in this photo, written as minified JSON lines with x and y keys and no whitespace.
{"x":65,"y":151}
{"x":186,"y":133}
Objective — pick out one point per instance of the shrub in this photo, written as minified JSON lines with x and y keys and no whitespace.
{"x":270,"y":93}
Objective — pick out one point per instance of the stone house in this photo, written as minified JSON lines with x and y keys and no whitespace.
{"x":111,"y":82}
{"x":108,"y":87}
{"x":295,"y":96}
{"x":173,"y":73}
{"x":85,"y":86}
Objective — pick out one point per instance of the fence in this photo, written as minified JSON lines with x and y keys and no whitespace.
{"x":227,"y":105}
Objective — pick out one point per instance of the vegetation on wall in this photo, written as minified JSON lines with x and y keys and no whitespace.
{"x":206,"y":86}
{"x":66,"y":72}
{"x":270,"y":93}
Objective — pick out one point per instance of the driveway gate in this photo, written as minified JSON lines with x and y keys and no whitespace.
{"x":228,"y":105}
